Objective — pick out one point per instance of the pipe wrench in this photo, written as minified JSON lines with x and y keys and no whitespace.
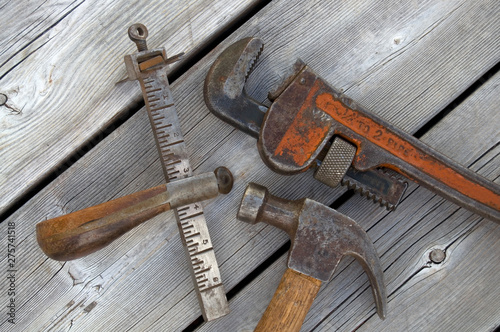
{"x":310,"y":124}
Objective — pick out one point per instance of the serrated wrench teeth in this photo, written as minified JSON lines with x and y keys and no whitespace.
{"x":384,"y":188}
{"x":224,"y":88}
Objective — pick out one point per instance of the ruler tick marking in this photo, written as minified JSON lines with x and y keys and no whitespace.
{"x":200,"y":252}
{"x":192,"y":216}
{"x":173,"y":143}
{"x":203,"y":270}
{"x":166,"y":155}
{"x":173,"y":163}
{"x":162,"y":107}
{"x":211,"y":287}
{"x":192,"y":235}
{"x":196,"y":261}
{"x":164,"y":126}
{"x":163,"y":138}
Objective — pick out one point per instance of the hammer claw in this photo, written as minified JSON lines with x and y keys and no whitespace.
{"x":323,"y":237}
{"x":371,"y":265}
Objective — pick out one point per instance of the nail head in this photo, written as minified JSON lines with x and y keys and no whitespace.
{"x":437,"y":256}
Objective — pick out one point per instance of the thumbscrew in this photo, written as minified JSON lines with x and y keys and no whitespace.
{"x":138,"y":34}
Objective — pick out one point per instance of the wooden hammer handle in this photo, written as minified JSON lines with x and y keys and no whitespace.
{"x":290,"y":304}
{"x":85,"y":231}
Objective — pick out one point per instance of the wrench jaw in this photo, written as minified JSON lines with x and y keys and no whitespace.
{"x":225,"y":96}
{"x":294,"y":132}
{"x":224,"y":88}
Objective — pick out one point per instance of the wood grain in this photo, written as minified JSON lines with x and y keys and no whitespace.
{"x":59,"y":73}
{"x":290,"y":304}
{"x":141,"y":281}
{"x":30,"y":30}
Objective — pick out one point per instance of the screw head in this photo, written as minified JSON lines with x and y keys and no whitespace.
{"x":3,"y":99}
{"x":137,"y":32}
{"x":224,"y":179}
{"x":437,"y":256}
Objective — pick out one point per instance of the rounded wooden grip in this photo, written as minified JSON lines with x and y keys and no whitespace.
{"x":290,"y":304}
{"x":85,"y":231}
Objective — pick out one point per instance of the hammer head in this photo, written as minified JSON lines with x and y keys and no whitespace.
{"x":320,"y":237}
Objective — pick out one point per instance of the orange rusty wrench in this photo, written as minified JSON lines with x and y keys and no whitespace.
{"x":311,"y":123}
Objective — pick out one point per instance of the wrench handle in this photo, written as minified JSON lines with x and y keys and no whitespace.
{"x":290,"y":303}
{"x":382,"y":145}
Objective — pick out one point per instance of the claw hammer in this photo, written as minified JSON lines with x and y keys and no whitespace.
{"x":320,"y":237}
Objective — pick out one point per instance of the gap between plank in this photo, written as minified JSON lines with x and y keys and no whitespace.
{"x":32,"y":41}
{"x":457,"y":101}
{"x":189,"y":61}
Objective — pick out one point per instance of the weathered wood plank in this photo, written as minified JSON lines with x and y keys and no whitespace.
{"x":458,"y":294}
{"x":60,"y":72}
{"x":141,"y":280}
{"x":22,"y":36}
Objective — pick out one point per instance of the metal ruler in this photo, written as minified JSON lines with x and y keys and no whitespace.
{"x":150,"y":68}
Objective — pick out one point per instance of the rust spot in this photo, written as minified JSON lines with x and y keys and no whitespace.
{"x":303,"y":136}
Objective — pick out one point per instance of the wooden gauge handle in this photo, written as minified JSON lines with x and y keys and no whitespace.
{"x":82,"y":232}
{"x":290,"y":304}
{"x":85,"y":231}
